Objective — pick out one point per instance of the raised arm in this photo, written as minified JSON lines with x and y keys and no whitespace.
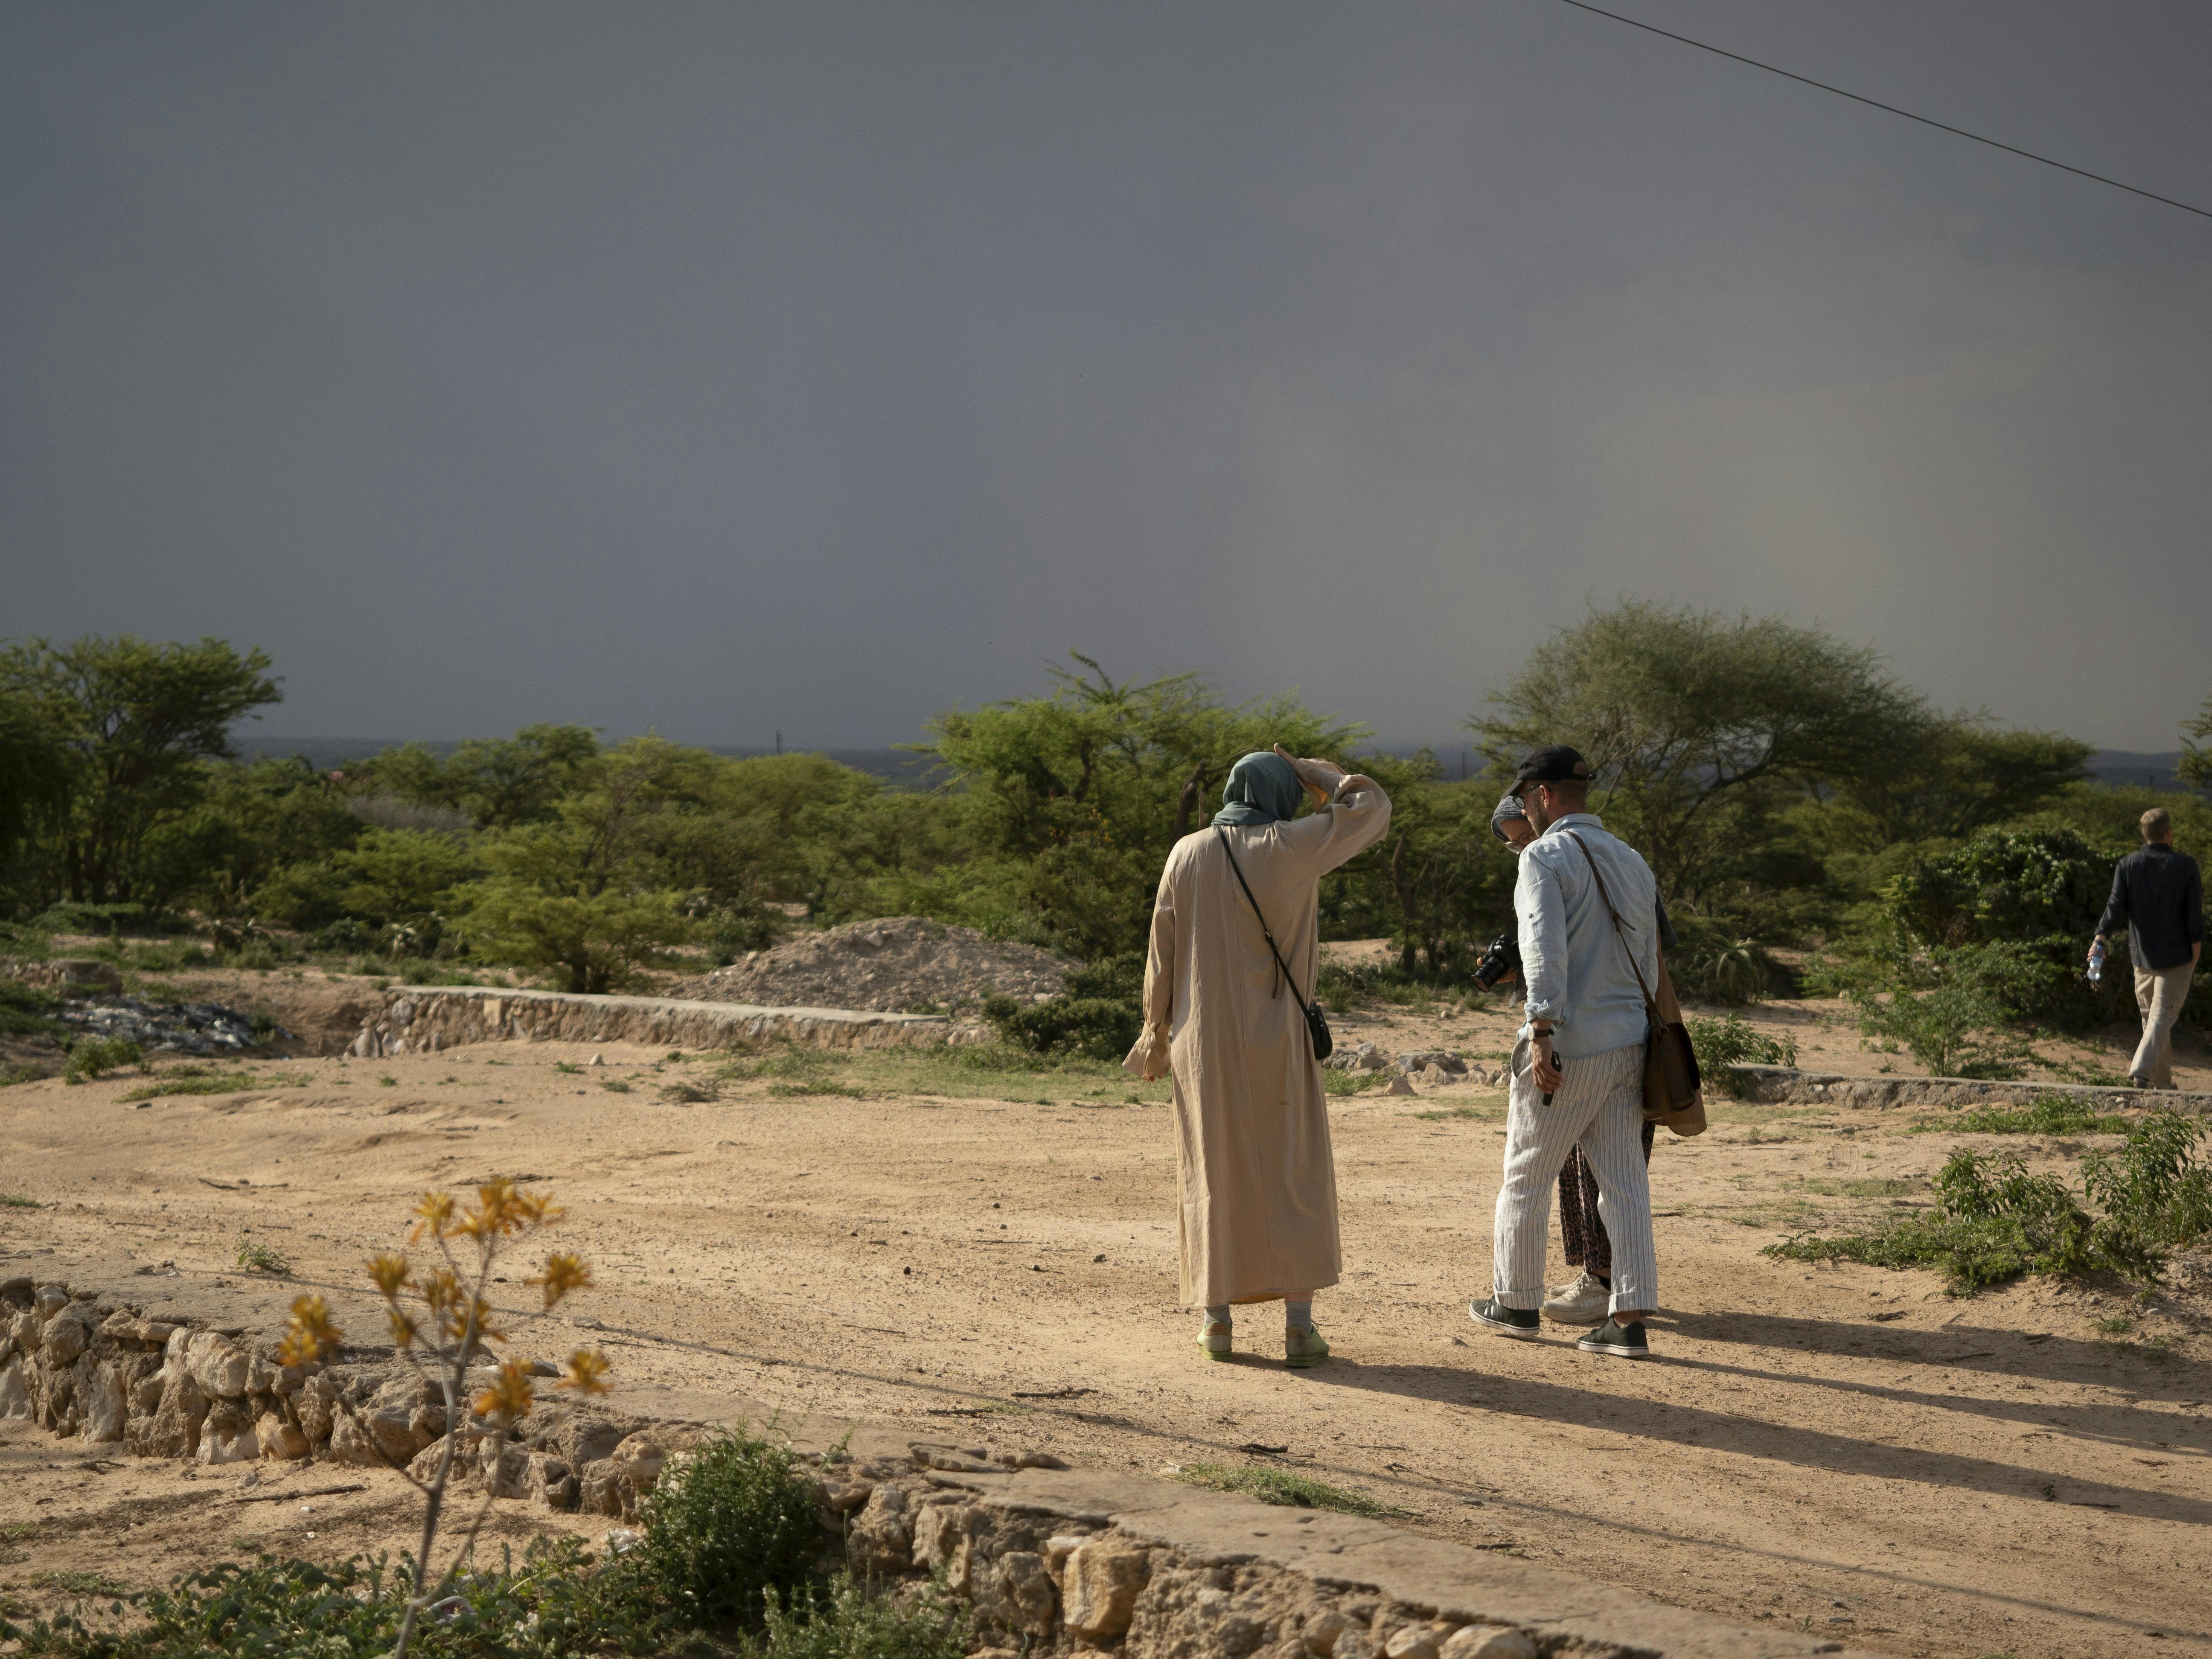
{"x":1351,"y":813}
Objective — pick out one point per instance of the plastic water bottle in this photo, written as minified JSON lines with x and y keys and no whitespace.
{"x":2096,"y":962}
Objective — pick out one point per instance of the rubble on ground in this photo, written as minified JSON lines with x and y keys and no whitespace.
{"x":187,"y":1028}
{"x":894,"y":964}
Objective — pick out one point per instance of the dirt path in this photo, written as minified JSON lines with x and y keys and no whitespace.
{"x":991,"y":1257}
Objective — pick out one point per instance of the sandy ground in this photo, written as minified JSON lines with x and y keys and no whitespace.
{"x":990,"y":1258}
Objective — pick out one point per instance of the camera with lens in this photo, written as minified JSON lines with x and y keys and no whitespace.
{"x":1501,"y":956}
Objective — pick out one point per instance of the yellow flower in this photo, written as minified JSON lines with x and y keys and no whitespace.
{"x":510,"y":1396}
{"x":311,"y":1335}
{"x":436,"y":1211}
{"x":389,"y":1270}
{"x":403,"y":1329}
{"x":587,"y":1373}
{"x":563,"y":1272}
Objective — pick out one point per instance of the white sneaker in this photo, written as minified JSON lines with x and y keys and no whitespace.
{"x":1580,"y":1302}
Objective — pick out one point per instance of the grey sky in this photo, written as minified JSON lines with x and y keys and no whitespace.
{"x":723,"y":368}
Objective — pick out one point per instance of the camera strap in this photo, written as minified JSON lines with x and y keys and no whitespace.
{"x":1316,"y":1022}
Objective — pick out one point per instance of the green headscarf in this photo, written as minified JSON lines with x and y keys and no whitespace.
{"x":1262,"y":789}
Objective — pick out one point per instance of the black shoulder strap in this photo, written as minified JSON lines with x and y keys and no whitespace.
{"x":1281,"y":966}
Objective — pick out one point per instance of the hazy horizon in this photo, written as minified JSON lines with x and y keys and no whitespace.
{"x":723,"y":370}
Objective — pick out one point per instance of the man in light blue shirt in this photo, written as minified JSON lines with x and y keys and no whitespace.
{"x":1586,"y":903}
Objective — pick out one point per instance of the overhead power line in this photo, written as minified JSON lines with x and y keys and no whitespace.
{"x":1856,"y":97}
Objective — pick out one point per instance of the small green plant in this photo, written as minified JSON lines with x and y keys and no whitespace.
{"x":1730,"y":1040}
{"x":195,"y":1080}
{"x":615,"y":1085}
{"x":388,"y":1081}
{"x":810,"y":1091}
{"x":1351,"y":1082}
{"x":729,"y":1526}
{"x":1285,"y":1486}
{"x":94,"y":1056}
{"x":24,"y":1010}
{"x":2047,"y":1115}
{"x":2117,"y":1326}
{"x":851,"y":1620}
{"x":80,"y":1583}
{"x":684,"y":1092}
{"x":1997,"y":1222}
{"x":571,"y":1069}
{"x":17,"y":1201}
{"x":256,"y":1257}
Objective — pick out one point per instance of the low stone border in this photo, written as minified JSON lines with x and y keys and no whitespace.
{"x":1052,"y":1560}
{"x":1779,"y":1086}
{"x":419,"y":1020}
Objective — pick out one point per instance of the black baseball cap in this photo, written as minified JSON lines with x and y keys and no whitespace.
{"x":1554,"y":763}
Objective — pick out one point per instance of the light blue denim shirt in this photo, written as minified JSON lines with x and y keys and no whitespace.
{"x":1573,"y":963}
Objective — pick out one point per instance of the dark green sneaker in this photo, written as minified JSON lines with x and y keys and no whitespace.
{"x":1621,"y":1341}
{"x":1494,"y":1316}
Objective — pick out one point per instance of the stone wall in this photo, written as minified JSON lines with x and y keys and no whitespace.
{"x":418,"y":1019}
{"x":1053,"y":1560}
{"x":1779,"y":1086}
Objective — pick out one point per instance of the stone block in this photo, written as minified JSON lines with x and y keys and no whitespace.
{"x":550,"y":1480}
{"x":15,"y":1398}
{"x":313,"y":1403}
{"x":173,"y":1429}
{"x":68,"y":1333}
{"x":102,"y":1405}
{"x":1100,"y":1586}
{"x":278,"y":1436}
{"x":1488,"y":1642}
{"x":217,"y":1364}
{"x":226,"y":1435}
{"x":881,"y":1542}
{"x":641,"y":1457}
{"x":1017,"y":1594}
{"x":601,"y":1489}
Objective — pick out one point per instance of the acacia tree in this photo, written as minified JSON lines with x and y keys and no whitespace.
{"x":2196,"y":768}
{"x":1690,"y":717}
{"x":1076,"y":797}
{"x":133,"y":724}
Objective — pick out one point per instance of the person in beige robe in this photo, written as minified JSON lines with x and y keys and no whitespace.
{"x":1255,"y":1179}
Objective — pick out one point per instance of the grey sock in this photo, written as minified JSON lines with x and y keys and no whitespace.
{"x":1218,"y":1316}
{"x":1298,"y":1315}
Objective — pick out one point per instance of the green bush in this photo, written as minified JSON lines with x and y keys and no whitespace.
{"x":1997,"y":1222}
{"x":726,"y":1527}
{"x":2047,"y":1115}
{"x":24,"y":1010}
{"x":1099,"y":1015}
{"x":1721,"y":1043}
{"x":1957,"y":1026}
{"x":92,"y":1056}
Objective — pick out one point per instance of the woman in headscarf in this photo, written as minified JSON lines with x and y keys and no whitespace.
{"x":1255,"y":1177}
{"x":1586,"y":1297}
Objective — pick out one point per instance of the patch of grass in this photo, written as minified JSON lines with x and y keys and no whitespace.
{"x":17,"y":1201}
{"x":256,"y":1257}
{"x":2120,"y":1325}
{"x":1283,"y":1487}
{"x":782,"y":1060}
{"x":14,"y":1532}
{"x":1342,"y":987}
{"x":388,"y":1081}
{"x":196,"y":1080}
{"x":1351,"y":1082}
{"x":80,"y":1583}
{"x":1483,"y":1113}
{"x":1865,"y":1186}
{"x":24,"y":1008}
{"x":12,"y":1075}
{"x":95,"y":1057}
{"x":808,"y":1090}
{"x":571,"y":1070}
{"x":2048,"y":1114}
{"x":615,"y":1085}
{"x":683,"y":1093}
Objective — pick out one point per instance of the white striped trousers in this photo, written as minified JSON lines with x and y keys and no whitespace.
{"x":1600,"y":1107}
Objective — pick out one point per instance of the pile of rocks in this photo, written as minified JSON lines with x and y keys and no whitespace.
{"x":79,"y":1364}
{"x":189,"y":1028}
{"x":896,"y":964}
{"x":1433,"y":1068}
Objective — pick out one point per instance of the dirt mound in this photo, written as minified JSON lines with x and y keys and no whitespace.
{"x":892,"y":965}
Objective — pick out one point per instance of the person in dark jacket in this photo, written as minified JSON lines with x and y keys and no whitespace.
{"x":2159,"y":893}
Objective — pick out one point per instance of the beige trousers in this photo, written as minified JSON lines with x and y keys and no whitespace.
{"x":2160,"y":992}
